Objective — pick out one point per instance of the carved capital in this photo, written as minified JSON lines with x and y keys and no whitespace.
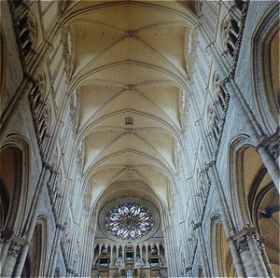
{"x":242,"y":245}
{"x":243,"y":237}
{"x":16,"y":246}
{"x":72,"y":271}
{"x":196,"y":225}
{"x":60,"y":226}
{"x":210,"y":164}
{"x":273,"y":144}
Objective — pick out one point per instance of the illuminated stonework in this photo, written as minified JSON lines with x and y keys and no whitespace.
{"x":129,"y":221}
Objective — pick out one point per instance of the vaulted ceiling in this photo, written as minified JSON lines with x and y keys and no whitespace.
{"x":129,"y":69}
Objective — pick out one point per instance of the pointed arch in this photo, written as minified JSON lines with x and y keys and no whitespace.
{"x":256,"y":202}
{"x":265,"y":64}
{"x":222,"y":258}
{"x":14,"y":182}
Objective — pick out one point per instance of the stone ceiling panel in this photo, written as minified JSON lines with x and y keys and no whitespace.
{"x":129,"y":69}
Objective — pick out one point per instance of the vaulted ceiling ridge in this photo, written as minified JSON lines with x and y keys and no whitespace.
{"x":107,"y":128}
{"x":106,"y":103}
{"x":90,"y":124}
{"x":139,"y":93}
{"x":96,"y":164}
{"x":155,"y":168}
{"x":102,"y":51}
{"x":156,"y":150}
{"x":97,"y":22}
{"x":125,"y":185}
{"x":187,"y":15}
{"x":116,"y":177}
{"x":122,"y":170}
{"x":146,"y":83}
{"x":177,"y":78}
{"x":106,"y":83}
{"x":146,"y":142}
{"x":142,"y":94}
{"x":179,"y":71}
{"x":161,"y":24}
{"x":155,"y":82}
{"x":129,"y":35}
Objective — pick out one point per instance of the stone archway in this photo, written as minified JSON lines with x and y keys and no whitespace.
{"x":35,"y":259}
{"x":259,"y":206}
{"x":10,"y":189}
{"x":221,"y":252}
{"x":266,"y":69}
{"x":14,"y":176}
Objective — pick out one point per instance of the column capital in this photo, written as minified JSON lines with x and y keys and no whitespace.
{"x":271,"y":143}
{"x":60,"y":226}
{"x":16,"y":245}
{"x":246,"y":234}
{"x":210,"y":164}
{"x":196,"y":225}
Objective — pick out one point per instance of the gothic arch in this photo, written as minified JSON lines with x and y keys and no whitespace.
{"x":14,"y":161}
{"x":240,"y":143}
{"x":222,"y":259}
{"x":265,"y":64}
{"x":36,"y":257}
{"x":258,"y":203}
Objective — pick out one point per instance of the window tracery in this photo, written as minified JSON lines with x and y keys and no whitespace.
{"x":129,"y":221}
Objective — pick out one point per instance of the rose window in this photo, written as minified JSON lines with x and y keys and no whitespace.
{"x":129,"y":221}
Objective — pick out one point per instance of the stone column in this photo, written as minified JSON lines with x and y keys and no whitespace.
{"x":249,"y":246}
{"x":31,"y":221}
{"x":201,"y":242}
{"x":111,"y":256}
{"x":16,"y":246}
{"x":53,"y":256}
{"x":174,"y":254}
{"x":227,"y":221}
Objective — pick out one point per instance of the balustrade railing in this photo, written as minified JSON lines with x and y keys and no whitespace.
{"x":233,"y":31}
{"x":40,"y":115}
{"x":55,"y":196}
{"x":216,"y":115}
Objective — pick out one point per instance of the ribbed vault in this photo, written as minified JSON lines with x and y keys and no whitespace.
{"x":129,"y":71}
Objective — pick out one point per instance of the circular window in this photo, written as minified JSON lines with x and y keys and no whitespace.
{"x":128,"y":220}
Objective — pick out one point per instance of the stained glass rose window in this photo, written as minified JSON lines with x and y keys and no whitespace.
{"x":129,"y":220}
